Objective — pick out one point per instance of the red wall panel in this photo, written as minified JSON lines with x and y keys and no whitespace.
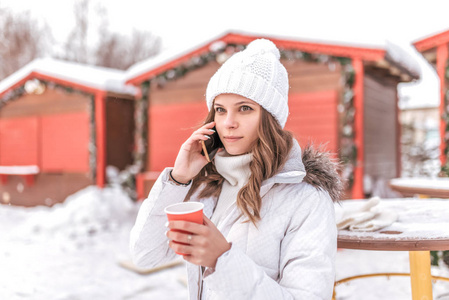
{"x":19,"y":141}
{"x":65,"y":142}
{"x":170,"y":125}
{"x":314,"y":118}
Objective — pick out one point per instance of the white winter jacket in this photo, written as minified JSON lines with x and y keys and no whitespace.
{"x":289,"y":255}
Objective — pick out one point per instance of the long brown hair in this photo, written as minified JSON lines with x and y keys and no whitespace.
{"x":270,"y":152}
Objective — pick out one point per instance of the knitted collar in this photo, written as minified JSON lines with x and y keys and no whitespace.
{"x":235,"y":169}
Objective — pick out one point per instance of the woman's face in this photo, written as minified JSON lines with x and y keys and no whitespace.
{"x":237,"y":121}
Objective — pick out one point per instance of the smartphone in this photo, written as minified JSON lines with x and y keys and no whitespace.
{"x":211,"y":146}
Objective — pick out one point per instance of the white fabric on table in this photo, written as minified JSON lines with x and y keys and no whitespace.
{"x":369,"y":217}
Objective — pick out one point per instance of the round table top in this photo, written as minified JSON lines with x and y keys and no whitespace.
{"x":391,"y":244}
{"x":422,"y":225}
{"x":432,"y":187}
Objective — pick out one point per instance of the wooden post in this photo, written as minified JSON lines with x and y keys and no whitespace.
{"x":357,"y":188}
{"x":420,"y":276}
{"x":39,"y":143}
{"x":442,"y":56}
{"x":100,"y":128}
{"x":147,"y":91}
{"x":398,"y":138}
{"x":139,"y":186}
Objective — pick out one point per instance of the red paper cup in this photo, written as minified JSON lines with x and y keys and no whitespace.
{"x":185,"y":211}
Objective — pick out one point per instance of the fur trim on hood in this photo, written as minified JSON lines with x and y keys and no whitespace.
{"x":314,"y":166}
{"x":322,"y":171}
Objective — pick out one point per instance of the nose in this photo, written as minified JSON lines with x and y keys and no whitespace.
{"x":230,"y":121}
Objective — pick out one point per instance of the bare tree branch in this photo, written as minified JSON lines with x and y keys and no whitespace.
{"x":22,"y":39}
{"x":112,"y":50}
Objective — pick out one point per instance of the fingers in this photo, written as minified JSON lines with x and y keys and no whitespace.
{"x":201,"y":134}
{"x":207,"y":221}
{"x":180,"y":248}
{"x":180,"y":237}
{"x":186,"y":226}
{"x":206,"y":128}
{"x":209,"y":125}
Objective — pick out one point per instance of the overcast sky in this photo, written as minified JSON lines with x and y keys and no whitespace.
{"x":350,"y":21}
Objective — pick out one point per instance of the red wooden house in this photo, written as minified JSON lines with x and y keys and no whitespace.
{"x":435,"y":49}
{"x":61,"y":124}
{"x":341,"y":95}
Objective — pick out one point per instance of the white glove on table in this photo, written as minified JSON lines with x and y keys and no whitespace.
{"x":369,"y":217}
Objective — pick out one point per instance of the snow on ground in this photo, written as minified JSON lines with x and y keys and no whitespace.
{"x":71,"y":252}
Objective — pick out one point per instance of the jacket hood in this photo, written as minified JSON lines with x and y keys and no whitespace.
{"x":313,"y":166}
{"x":322,"y":171}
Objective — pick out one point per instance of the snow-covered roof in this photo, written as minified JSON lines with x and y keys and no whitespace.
{"x":403,"y":60}
{"x":167,"y":56}
{"x":97,"y":78}
{"x":431,"y":40}
{"x":393,"y":53}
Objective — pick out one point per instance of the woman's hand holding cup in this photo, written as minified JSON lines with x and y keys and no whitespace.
{"x":193,"y":235}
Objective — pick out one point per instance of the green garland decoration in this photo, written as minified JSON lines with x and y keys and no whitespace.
{"x":141,"y":123}
{"x":445,"y":118}
{"x":348,"y":152}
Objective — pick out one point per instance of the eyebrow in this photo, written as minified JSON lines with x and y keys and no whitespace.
{"x":238,"y":103}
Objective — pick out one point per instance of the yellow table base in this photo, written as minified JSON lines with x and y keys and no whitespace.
{"x":420,"y":276}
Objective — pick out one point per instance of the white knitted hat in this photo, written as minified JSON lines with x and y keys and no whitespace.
{"x":257,"y":74}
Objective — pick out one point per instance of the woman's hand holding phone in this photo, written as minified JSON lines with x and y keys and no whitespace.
{"x":190,"y":161}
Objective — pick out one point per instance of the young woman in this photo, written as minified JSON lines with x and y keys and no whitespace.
{"x":269,"y":230}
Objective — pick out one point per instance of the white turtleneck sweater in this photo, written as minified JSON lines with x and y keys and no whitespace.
{"x":236,"y":172}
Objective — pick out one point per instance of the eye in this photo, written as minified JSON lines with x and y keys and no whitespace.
{"x":219,"y":109}
{"x":245,"y":108}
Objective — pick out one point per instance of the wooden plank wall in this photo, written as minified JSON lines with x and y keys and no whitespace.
{"x":19,"y":141}
{"x":314,"y":95}
{"x":176,"y":110}
{"x":380,"y":122}
{"x":49,"y":103}
{"x":178,"y":107}
{"x":314,"y":119}
{"x":61,"y":132}
{"x":48,"y":188}
{"x":54,"y":112}
{"x":64,"y":143}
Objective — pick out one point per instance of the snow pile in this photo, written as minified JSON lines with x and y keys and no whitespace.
{"x":85,"y":213}
{"x":38,"y":261}
{"x":72,"y":251}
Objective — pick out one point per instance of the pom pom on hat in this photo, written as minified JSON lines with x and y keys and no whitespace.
{"x":261,"y":46}
{"x":257,"y":74}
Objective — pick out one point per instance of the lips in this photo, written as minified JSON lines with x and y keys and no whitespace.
{"x":232,"y":138}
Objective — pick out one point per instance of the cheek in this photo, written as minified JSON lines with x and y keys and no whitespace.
{"x":253,"y":131}
{"x":219,"y":127}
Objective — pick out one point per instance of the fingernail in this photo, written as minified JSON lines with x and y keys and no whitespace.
{"x":212,"y":130}
{"x":166,"y":224}
{"x":207,"y":136}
